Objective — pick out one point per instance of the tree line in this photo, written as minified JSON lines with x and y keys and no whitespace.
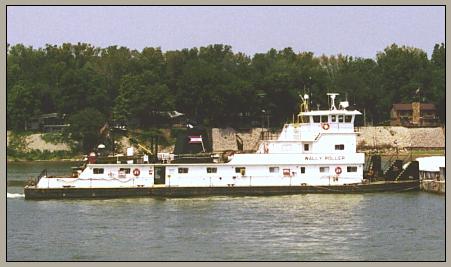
{"x":211,"y":85}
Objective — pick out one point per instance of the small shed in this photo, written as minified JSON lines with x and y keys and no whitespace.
{"x":430,"y":167}
{"x":47,"y":122}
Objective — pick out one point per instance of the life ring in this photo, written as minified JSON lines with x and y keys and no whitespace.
{"x":326,"y":126}
{"x":136,"y":172}
{"x":338,"y":170}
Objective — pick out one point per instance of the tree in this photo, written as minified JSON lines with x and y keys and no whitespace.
{"x":21,"y":106}
{"x":401,"y":71}
{"x":438,"y":66}
{"x":141,"y":97}
{"x":212,"y":84}
{"x":84,"y":128}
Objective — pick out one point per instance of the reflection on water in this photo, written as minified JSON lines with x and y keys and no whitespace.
{"x":311,"y":227}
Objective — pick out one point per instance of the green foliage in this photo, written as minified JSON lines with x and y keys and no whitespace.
{"x":144,"y":137}
{"x":36,"y":154}
{"x":211,"y":85}
{"x":21,"y":106}
{"x":17,"y":148}
{"x":85,"y":128}
{"x":141,"y":96}
{"x":17,"y":142}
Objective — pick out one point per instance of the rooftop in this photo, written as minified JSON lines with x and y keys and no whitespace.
{"x":423,"y":106}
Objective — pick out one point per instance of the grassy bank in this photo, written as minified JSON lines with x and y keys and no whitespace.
{"x":413,"y":152}
{"x":38,"y":155}
{"x":18,"y":148}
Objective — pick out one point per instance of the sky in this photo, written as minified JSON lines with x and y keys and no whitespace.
{"x":354,"y":31}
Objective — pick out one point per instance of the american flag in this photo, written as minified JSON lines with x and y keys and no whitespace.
{"x":195,"y":139}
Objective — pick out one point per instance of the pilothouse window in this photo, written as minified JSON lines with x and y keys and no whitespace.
{"x":324,"y":169}
{"x":274,"y":169}
{"x":97,"y":170}
{"x":212,"y":170}
{"x":316,"y":119}
{"x":340,"y":118}
{"x":324,"y":118}
{"x":348,"y":118}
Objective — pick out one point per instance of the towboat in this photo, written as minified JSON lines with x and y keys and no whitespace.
{"x":316,"y":153}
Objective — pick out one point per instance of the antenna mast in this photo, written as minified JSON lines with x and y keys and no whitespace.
{"x":332,"y":98}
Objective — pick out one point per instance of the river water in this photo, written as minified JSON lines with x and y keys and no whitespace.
{"x":310,"y":227}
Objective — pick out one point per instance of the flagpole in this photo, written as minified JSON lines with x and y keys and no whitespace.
{"x":202,"y":142}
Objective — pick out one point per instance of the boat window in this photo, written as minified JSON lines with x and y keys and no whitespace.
{"x":183,"y":170}
{"x":305,"y":119}
{"x":97,"y":170}
{"x":241,"y":170}
{"x":316,"y":119}
{"x":333,"y":118}
{"x":352,"y":169}
{"x":212,"y":170}
{"x":302,"y":169}
{"x":340,"y":147}
{"x":306,"y":147}
{"x":324,"y":118}
{"x":274,"y":169}
{"x":125,"y":170}
{"x":348,"y":118}
{"x":340,"y":118}
{"x":323,"y":169}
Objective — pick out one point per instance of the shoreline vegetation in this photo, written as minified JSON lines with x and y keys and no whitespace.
{"x":212,"y":85}
{"x":29,"y":146}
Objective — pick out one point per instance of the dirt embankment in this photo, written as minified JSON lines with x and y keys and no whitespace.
{"x":36,"y":142}
{"x":379,"y":137}
{"x":401,"y":137}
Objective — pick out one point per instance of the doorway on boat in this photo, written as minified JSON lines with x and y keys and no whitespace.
{"x":160,"y":175}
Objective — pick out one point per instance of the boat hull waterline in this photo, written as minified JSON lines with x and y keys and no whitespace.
{"x":164,"y":191}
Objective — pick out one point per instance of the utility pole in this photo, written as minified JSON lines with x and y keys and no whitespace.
{"x":364,"y":117}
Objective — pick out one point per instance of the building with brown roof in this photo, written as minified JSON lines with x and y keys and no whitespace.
{"x":414,"y":115}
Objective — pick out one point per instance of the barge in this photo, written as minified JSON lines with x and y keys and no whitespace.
{"x":316,"y":153}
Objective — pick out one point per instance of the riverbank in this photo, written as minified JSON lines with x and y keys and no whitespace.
{"x":38,"y":155}
{"x":386,"y":140}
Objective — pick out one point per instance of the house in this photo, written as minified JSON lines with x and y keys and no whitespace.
{"x":414,"y":114}
{"x":47,"y":122}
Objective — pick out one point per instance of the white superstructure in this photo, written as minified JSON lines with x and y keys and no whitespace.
{"x":319,"y":148}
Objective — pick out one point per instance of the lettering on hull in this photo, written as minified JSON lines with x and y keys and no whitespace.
{"x":324,"y":158}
